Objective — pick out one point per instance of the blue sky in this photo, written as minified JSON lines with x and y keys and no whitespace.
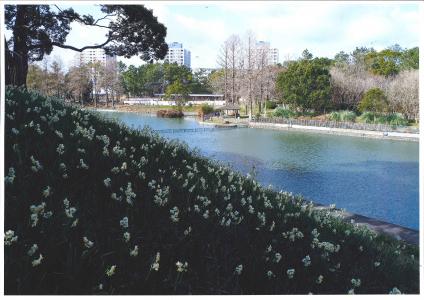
{"x":324,"y":28}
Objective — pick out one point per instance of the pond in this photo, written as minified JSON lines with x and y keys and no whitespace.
{"x":371,"y":177}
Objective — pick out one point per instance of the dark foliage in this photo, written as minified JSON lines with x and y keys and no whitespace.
{"x":225,"y":220}
{"x":37,"y":28}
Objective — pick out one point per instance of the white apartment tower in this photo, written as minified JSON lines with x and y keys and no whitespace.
{"x":93,"y":55}
{"x":177,"y":54}
{"x":272,"y":53}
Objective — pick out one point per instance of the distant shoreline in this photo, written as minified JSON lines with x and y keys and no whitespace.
{"x":400,"y":136}
{"x":397,"y":136}
{"x":137,"y":109}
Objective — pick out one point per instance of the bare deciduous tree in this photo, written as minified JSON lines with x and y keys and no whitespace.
{"x":224,"y":63}
{"x":110,"y":82}
{"x":235,"y":63}
{"x":79,"y":82}
{"x":349,"y":83}
{"x":403,"y":94}
{"x":250,"y":54}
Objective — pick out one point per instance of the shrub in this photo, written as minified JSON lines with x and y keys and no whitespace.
{"x":374,"y":100}
{"x":284,"y":113}
{"x":270,"y":104}
{"x":368,"y":117}
{"x":170,"y":113}
{"x":397,"y":119}
{"x":94,"y":207}
{"x":343,"y":116}
{"x":205,"y":109}
{"x":394,"y":119}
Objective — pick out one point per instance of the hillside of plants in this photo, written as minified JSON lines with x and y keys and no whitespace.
{"x":94,"y":207}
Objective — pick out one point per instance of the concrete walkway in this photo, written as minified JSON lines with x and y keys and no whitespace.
{"x":340,"y":131}
{"x":400,"y":233}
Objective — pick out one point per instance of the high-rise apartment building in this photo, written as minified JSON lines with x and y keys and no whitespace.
{"x":93,"y":55}
{"x":272,"y":53}
{"x":177,"y":54}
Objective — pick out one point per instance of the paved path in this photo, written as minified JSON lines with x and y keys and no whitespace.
{"x":408,"y":235}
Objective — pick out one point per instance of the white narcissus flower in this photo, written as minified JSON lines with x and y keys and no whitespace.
{"x":82,"y":164}
{"x":355,"y":282}
{"x":87,"y":243}
{"x":277,"y":257}
{"x":38,"y":209}
{"x":187,"y":231}
{"x":124,"y":222}
{"x":75,"y":223}
{"x":155,"y":265}
{"x":181,"y":267}
{"x":70,"y":212}
{"x":270,"y":274}
{"x":60,"y":149}
{"x":34,"y":220}
{"x":32,"y":250}
{"x":37,"y":262}
{"x":10,"y":177}
{"x":238,"y":269}
{"x":47,"y":192}
{"x":111,"y":271}
{"x":290,"y":273}
{"x":107,"y":182}
{"x":47,"y":215}
{"x":395,"y":291}
{"x":127,"y":237}
{"x":130,"y":195}
{"x":134,"y":252}
{"x":306,"y":261}
{"x":174,"y":214}
{"x":9,"y":238}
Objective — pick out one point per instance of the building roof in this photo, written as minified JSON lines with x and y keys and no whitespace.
{"x":197,"y":95}
{"x":229,"y":106}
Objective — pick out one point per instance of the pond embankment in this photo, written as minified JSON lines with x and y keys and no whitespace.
{"x":340,"y":131}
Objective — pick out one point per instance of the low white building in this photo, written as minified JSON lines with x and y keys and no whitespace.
{"x":194,"y":99}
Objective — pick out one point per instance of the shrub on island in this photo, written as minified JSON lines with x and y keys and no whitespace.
{"x":169,"y":113}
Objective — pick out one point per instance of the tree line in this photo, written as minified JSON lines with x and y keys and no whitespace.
{"x":164,"y":78}
{"x":318,"y":84}
{"x":244,"y":76}
{"x":393,"y":71}
{"x":82,"y":83}
{"x":245,"y":72}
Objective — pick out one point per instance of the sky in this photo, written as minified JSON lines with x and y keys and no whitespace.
{"x":324,"y":28}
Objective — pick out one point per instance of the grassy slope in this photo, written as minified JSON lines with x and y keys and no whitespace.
{"x":224,"y":219}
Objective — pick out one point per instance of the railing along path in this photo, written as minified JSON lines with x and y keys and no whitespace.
{"x":336,"y":124}
{"x":201,"y":129}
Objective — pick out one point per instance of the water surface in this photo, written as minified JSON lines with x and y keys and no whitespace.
{"x":372,"y":177}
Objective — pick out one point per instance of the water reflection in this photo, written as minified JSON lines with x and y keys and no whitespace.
{"x":376,"y":178}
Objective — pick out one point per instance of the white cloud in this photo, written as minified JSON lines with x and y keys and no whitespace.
{"x":201,"y":29}
{"x":325,"y":28}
